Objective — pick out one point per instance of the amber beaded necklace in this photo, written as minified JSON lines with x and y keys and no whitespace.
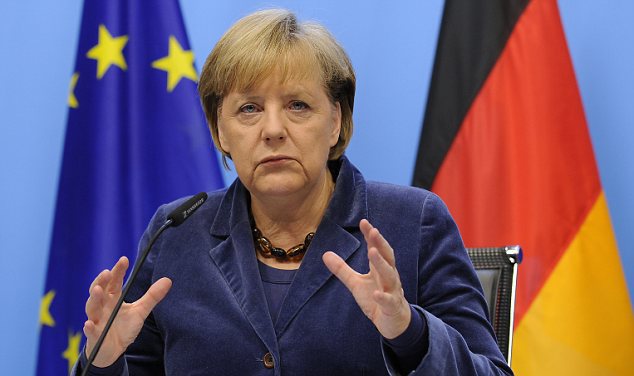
{"x":266,"y":249}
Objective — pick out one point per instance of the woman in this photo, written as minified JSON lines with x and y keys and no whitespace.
{"x":286,"y":271}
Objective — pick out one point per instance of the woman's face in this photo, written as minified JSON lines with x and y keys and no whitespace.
{"x":279,"y":135}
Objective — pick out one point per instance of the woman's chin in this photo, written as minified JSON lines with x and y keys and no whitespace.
{"x":282,"y":189}
{"x":279,"y":183}
{"x":274,"y":187}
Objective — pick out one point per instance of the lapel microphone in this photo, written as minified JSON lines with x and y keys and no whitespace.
{"x":175,"y":218}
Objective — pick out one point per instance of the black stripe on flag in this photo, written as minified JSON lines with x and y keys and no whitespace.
{"x":472,"y":35}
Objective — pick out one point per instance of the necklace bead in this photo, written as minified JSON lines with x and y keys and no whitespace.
{"x":266,"y":248}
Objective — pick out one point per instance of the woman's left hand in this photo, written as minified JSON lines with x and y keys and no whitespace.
{"x":379,"y":292}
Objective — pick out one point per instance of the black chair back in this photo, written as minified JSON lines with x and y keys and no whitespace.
{"x":497,"y":271}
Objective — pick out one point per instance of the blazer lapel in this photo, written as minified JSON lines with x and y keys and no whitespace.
{"x":313,"y":274}
{"x":235,"y":254}
{"x":235,"y":259}
{"x":347,"y":207}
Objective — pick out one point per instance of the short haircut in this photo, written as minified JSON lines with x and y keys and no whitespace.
{"x":257,"y":45}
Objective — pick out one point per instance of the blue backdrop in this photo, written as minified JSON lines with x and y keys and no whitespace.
{"x":392,"y":49}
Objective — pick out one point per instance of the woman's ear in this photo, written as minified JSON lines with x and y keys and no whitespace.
{"x":336,"y":121}
{"x":222,"y":138}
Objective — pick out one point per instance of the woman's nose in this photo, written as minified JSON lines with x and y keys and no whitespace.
{"x":274,"y":127}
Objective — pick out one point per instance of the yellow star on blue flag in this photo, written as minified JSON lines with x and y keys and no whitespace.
{"x":126,"y":133}
{"x":108,"y":52}
{"x":178,"y":64}
{"x":45,"y":309}
{"x":71,"y":354}
{"x":72,"y":100}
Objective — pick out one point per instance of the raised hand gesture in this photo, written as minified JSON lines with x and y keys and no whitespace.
{"x":379,"y":292}
{"x":105,"y":290}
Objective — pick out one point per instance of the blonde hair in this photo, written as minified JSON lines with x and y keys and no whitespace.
{"x":273,"y":39}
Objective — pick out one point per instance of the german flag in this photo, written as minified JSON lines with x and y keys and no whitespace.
{"x":506,"y":145}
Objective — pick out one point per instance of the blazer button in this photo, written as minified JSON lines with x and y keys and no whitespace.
{"x":268,"y":360}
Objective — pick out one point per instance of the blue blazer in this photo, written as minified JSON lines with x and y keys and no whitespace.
{"x":215,"y":319}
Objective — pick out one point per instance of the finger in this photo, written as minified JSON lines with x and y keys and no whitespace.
{"x":95,"y":303}
{"x":118,"y":272}
{"x":384,"y":247}
{"x":90,"y":331}
{"x":385,"y":274}
{"x":102,"y":280}
{"x":374,"y":238}
{"x":92,"y":334}
{"x":366,"y":227}
{"x":153,"y":296}
{"x":340,"y":269}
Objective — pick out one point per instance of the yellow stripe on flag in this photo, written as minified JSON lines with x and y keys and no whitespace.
{"x":581,"y":321}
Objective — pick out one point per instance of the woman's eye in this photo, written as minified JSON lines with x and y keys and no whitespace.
{"x":248,"y":108}
{"x":298,"y":106}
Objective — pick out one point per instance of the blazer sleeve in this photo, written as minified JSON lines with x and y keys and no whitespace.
{"x":461,"y":340}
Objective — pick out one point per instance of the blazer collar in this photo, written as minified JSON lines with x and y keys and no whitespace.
{"x":348,"y":204}
{"x":235,"y":255}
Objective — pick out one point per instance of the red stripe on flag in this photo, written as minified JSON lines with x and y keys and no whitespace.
{"x":521,"y":169}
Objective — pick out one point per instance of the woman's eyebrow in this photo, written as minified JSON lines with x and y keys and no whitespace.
{"x":241,"y":97}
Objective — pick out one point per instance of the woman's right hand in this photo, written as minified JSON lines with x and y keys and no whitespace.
{"x":105,"y":290}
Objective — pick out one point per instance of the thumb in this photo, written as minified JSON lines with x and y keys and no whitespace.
{"x":153,"y":296}
{"x":340,"y":269}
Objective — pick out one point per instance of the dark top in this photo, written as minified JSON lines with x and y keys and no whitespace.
{"x":407,"y":348}
{"x":275,"y":283}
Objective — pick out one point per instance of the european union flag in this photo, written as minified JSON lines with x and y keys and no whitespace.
{"x":136,"y":138}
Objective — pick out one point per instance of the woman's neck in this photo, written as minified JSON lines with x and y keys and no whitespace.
{"x":285,"y":222}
